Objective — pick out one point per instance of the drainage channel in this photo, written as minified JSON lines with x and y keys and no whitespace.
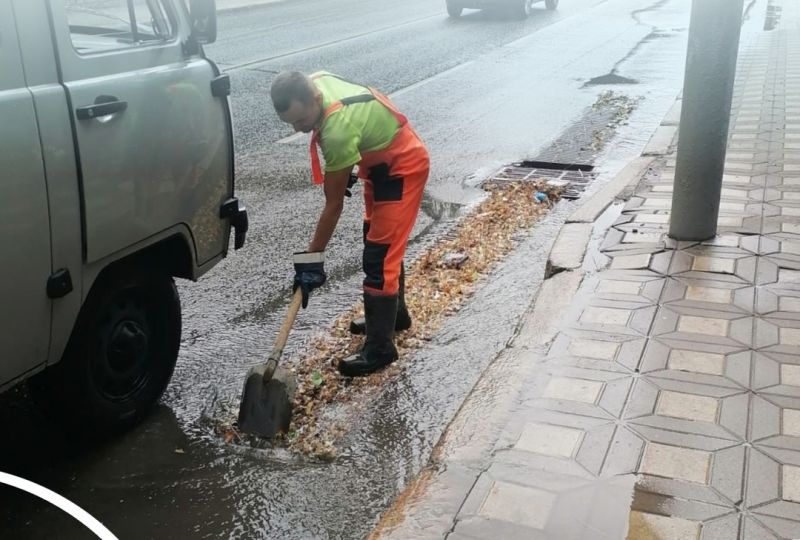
{"x":573,"y":178}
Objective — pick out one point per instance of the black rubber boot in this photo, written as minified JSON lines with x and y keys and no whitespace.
{"x":403,"y":320}
{"x":379,"y":350}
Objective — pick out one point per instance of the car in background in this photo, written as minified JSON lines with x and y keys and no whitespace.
{"x":521,"y":8}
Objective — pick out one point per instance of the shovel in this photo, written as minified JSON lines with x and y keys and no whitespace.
{"x":266,"y":407}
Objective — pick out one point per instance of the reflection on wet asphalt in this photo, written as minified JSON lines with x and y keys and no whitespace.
{"x":482,"y":91}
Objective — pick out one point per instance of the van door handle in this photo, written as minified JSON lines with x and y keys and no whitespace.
{"x":103,"y":106}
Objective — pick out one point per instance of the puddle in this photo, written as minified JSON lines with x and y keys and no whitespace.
{"x":656,"y":33}
{"x":611,"y":78}
{"x":595,"y":260}
{"x":439,"y":210}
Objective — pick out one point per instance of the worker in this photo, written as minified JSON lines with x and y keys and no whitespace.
{"x":356,"y":125}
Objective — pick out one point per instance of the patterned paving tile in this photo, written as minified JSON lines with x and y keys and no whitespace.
{"x":779,"y":335}
{"x":580,"y":445}
{"x":582,"y":391}
{"x":676,"y":462}
{"x":597,"y":350}
{"x":508,"y":503}
{"x":673,"y":468}
{"x":777,"y":273}
{"x":634,"y":286}
{"x":636,"y":241}
{"x":778,"y":303}
{"x":556,"y":441}
{"x":632,"y":262}
{"x":573,"y":389}
{"x":710,"y":417}
{"x":718,"y":260}
{"x":732,"y":191}
{"x":660,"y":517}
{"x":783,"y":225}
{"x":710,"y":295}
{"x":616,"y":317}
{"x":746,"y":243}
{"x":695,"y":325}
{"x":782,"y":251}
{"x":775,"y":421}
{"x":776,"y":373}
{"x":503,"y":503}
{"x":701,"y":363}
{"x":753,"y":529}
{"x":773,"y":489}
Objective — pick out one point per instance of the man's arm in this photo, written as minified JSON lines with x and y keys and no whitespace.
{"x":335,"y":186}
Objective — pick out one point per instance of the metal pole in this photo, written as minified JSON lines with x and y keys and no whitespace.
{"x":705,"y":117}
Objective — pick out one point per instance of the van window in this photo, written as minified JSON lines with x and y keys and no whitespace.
{"x":103,"y":25}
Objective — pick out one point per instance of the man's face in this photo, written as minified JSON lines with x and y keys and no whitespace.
{"x":303,"y":117}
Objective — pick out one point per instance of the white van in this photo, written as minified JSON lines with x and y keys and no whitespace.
{"x":116,"y":176}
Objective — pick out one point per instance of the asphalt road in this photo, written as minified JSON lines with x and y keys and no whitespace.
{"x":482,"y":91}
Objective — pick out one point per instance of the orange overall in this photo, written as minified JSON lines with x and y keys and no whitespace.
{"x":394,"y":181}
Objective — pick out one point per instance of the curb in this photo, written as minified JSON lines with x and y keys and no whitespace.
{"x":595,"y":205}
{"x":573,"y":239}
{"x":564,"y":255}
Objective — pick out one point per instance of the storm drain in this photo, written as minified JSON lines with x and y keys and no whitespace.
{"x":572,"y":177}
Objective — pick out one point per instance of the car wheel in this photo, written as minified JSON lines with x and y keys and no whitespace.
{"x":523,"y":8}
{"x":120,"y":356}
{"x":551,"y":4}
{"x":454,"y":10}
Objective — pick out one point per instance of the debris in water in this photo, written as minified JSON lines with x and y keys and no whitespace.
{"x":433,"y":291}
{"x":436,"y":285}
{"x":621,"y":106}
{"x":455,"y":260}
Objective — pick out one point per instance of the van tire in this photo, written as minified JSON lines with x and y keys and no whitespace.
{"x":120,"y":356}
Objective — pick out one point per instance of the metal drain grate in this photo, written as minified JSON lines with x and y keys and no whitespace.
{"x":573,"y":177}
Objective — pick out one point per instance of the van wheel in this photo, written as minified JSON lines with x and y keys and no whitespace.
{"x":454,"y":10}
{"x":551,"y":4}
{"x":120,"y":356}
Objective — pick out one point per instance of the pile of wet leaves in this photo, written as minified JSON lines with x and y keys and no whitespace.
{"x":437,"y":284}
{"x":620,"y":108}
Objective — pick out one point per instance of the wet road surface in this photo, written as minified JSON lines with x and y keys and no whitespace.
{"x":482,"y":91}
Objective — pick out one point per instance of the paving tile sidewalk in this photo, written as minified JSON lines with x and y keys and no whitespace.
{"x":667,"y":406}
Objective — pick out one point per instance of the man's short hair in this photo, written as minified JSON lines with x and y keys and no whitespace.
{"x":289,"y":86}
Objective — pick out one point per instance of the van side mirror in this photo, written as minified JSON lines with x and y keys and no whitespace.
{"x":203,"y":14}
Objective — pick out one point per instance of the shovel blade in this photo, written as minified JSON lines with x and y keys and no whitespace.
{"x":266,"y":409}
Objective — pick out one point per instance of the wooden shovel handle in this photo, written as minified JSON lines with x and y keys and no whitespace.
{"x":283,"y":335}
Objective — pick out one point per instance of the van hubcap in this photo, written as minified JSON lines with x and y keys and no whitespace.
{"x":128,"y":346}
{"x":121,"y":366}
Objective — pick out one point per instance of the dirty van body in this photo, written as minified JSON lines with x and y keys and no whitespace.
{"x":117,"y":177}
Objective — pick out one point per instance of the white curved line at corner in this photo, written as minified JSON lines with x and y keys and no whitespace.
{"x":57,"y":500}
